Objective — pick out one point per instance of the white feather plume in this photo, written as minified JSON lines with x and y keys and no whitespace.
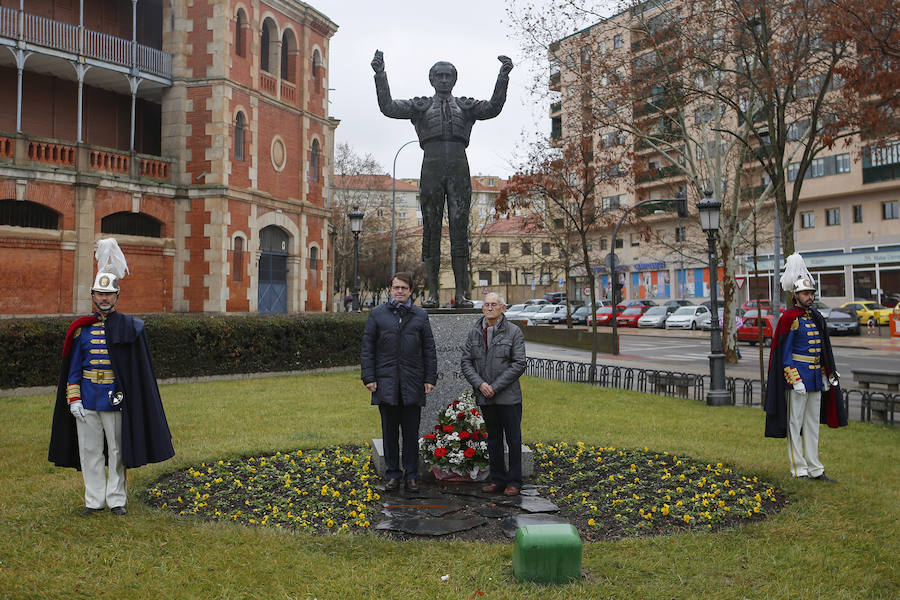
{"x":794,"y":269}
{"x":110,"y":258}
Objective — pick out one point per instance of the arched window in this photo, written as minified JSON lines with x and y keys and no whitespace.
{"x":129,"y":223}
{"x":237,"y":267}
{"x":239,"y":137}
{"x":273,"y":239}
{"x":23,"y":213}
{"x":314,"y":161}
{"x":264,"y":50}
{"x":313,"y":259}
{"x":288,"y":54}
{"x":317,"y":66}
{"x":240,"y":34}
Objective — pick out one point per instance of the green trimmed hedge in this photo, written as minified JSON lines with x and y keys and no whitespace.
{"x":195,"y":345}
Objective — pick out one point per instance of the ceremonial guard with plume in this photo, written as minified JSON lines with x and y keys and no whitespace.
{"x":803,"y":387}
{"x":108,"y":414}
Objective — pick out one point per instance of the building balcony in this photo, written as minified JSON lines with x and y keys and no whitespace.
{"x":555,"y":109}
{"x":658,"y":174}
{"x":555,"y":79}
{"x":53,"y":47}
{"x":881,"y":173}
{"x":30,"y":152}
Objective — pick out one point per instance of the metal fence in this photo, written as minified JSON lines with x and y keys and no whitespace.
{"x":869,"y":405}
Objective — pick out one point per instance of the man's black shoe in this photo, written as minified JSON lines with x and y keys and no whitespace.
{"x":392,"y":485}
{"x":412,"y":485}
{"x":90,"y":511}
{"x":118,"y":510}
{"x":824,"y":477}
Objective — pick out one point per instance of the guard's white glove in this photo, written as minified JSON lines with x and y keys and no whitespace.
{"x":77,"y":410}
{"x":826,"y":385}
{"x":799,"y":388}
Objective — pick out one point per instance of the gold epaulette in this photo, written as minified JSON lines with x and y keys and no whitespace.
{"x":796,"y":324}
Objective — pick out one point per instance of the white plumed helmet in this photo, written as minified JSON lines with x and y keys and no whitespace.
{"x":111,"y":266}
{"x":796,"y":277}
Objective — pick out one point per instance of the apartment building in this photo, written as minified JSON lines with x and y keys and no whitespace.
{"x":847,"y":226}
{"x":197,"y":134}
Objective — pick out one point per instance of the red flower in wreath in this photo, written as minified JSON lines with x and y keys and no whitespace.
{"x":464,"y":435}
{"x":460,"y":416}
{"x":455,"y":403}
{"x":440,"y":452}
{"x":469,"y":452}
{"x":448,"y":428}
{"x":437,"y":427}
{"x":430,"y":437}
{"x":474,"y":411}
{"x":474,"y":435}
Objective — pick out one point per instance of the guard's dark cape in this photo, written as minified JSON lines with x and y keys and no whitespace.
{"x":145,"y":433}
{"x":833,"y":412}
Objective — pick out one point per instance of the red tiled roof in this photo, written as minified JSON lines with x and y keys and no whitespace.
{"x":514,"y":224}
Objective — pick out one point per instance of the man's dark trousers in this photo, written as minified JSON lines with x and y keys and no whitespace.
{"x":394,"y":420}
{"x":504,"y":420}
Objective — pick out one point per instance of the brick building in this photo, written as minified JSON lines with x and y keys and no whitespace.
{"x":197,"y":134}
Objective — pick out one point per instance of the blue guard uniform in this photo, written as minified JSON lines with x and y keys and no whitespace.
{"x":92,"y":381}
{"x":801,"y":356}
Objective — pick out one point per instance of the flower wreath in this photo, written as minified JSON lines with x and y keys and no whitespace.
{"x":457,"y":442}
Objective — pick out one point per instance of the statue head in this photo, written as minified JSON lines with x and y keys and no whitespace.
{"x":442,"y":77}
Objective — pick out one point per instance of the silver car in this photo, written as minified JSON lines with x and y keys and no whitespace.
{"x":656,"y":316}
{"x":513,"y":311}
{"x":687,"y":317}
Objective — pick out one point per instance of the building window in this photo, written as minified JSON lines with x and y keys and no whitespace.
{"x":504,"y":277}
{"x":313,"y":259}
{"x":857,"y":213}
{"x":821,"y":167}
{"x":314,"y":161}
{"x":889,"y":210}
{"x":680,"y":234}
{"x":317,"y":65}
{"x":24,"y":213}
{"x":526,"y":248}
{"x":608,"y":202}
{"x":240,"y":34}
{"x":484,"y":278}
{"x":504,"y":247}
{"x":288,"y":51}
{"x":545,"y":248}
{"x":635,"y":239}
{"x":264,"y":48}
{"x":617,"y":40}
{"x":603,"y":243}
{"x":485,"y":248}
{"x":831,"y":285}
{"x":620,"y":243}
{"x":842,"y":163}
{"x":237,"y":266}
{"x":239,"y":137}
{"x":807,"y":220}
{"x":832,"y":216}
{"x":129,"y":223}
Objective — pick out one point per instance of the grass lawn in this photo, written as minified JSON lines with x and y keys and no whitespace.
{"x":831,"y":541}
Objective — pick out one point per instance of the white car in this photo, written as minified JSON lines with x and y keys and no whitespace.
{"x":656,"y":316}
{"x":513,"y":311}
{"x":687,"y":317}
{"x":549,"y":313}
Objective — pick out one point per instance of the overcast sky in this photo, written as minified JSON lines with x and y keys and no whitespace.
{"x":414,"y":36}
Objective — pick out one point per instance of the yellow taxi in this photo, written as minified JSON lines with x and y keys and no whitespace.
{"x":869,"y":312}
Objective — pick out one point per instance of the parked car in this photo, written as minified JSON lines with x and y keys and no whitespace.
{"x":656,"y":316}
{"x":536,"y":301}
{"x":550,"y":314}
{"x":756,"y":304}
{"x":678,"y":303}
{"x":749,"y":329}
{"x":706,"y":323}
{"x":528,"y":313}
{"x":687,"y":317}
{"x":840,"y":321}
{"x":629,"y":317}
{"x":603,"y":315}
{"x":477,"y":303}
{"x":580,"y":316}
{"x":555,"y":297}
{"x":641,"y":303}
{"x":868,"y":312}
{"x":513,"y":311}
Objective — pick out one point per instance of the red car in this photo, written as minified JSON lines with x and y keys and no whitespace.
{"x":604,"y":314}
{"x":757,"y":304}
{"x":749,"y":329}
{"x":629,"y":317}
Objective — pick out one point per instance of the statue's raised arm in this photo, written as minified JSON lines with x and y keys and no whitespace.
{"x":395,"y":109}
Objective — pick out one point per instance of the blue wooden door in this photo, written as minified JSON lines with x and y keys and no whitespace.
{"x":272,"y":296}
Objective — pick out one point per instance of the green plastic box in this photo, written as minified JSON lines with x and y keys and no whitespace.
{"x":549,"y":553}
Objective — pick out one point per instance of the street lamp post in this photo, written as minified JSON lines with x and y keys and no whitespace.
{"x":356,"y":223}
{"x":394,"y":208}
{"x":718,"y":395}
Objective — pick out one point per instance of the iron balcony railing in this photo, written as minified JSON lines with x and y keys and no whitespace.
{"x":872,"y":405}
{"x":64,"y":37}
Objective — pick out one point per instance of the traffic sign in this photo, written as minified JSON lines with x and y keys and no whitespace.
{"x":608,"y":260}
{"x":587,"y":290}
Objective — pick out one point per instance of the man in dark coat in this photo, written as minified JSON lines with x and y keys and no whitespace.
{"x":802,"y":389}
{"x":493,"y":359}
{"x":108,"y":409}
{"x":399,"y":366}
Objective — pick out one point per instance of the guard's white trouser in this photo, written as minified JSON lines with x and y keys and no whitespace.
{"x":803,"y":453}
{"x":100,"y":489}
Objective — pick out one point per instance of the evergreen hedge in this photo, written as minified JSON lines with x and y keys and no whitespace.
{"x":194,"y":345}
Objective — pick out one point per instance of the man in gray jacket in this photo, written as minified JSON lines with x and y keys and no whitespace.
{"x":493,"y":360}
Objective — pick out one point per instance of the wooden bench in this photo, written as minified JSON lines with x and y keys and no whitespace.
{"x":866,"y":377}
{"x":671,"y":384}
